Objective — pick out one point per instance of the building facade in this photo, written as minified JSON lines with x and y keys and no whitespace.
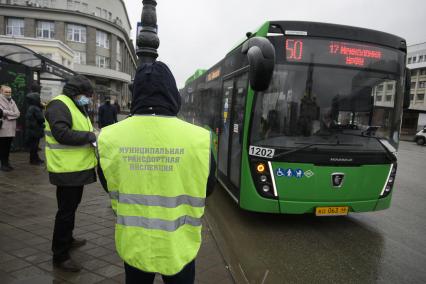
{"x":415,"y":117}
{"x":90,"y":37}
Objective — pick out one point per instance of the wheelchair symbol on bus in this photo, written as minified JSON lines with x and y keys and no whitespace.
{"x":297,"y":173}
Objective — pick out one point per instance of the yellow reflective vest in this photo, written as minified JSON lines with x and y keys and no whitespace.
{"x":156,"y":170}
{"x":62,"y":158}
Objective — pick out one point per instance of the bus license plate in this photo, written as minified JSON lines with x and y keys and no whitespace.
{"x":332,"y":211}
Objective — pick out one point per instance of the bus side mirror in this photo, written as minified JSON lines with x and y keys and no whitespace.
{"x":261,"y":57}
{"x":407,"y":89}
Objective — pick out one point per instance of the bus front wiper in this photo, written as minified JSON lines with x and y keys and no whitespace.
{"x":310,"y":145}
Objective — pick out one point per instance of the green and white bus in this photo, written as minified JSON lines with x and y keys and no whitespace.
{"x":307,"y":117}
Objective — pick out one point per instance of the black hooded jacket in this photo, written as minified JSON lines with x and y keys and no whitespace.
{"x":60,"y":122}
{"x":34,"y":119}
{"x":155,"y":93}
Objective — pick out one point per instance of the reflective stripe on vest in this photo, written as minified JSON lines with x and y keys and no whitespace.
{"x":156,"y":200}
{"x":157,"y":179}
{"x":66,"y":158}
{"x":158,"y":224}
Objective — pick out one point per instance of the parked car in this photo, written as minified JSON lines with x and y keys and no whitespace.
{"x":421,"y":137}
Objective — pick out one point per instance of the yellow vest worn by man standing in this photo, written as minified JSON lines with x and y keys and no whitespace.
{"x":156,"y":168}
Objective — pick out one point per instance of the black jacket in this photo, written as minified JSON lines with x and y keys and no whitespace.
{"x":107,"y":115}
{"x":34,"y":119}
{"x":60,"y":121}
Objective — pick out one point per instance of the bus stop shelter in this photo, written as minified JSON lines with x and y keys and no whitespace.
{"x":19,"y":68}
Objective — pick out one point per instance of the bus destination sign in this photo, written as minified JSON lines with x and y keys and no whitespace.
{"x":342,"y":53}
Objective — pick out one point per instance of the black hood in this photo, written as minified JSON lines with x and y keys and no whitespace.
{"x":33,"y":99}
{"x":155,"y":90}
{"x":77,"y":85}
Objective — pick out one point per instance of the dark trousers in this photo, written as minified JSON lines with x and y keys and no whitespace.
{"x":68,"y":199}
{"x":136,"y":276}
{"x":33,"y":147}
{"x":5,"y":143}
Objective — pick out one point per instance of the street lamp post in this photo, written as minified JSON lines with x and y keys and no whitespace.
{"x":148,"y":41}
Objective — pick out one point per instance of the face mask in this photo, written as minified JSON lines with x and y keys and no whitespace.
{"x":83,"y":101}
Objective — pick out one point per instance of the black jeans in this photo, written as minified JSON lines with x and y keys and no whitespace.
{"x":68,"y":199}
{"x":136,"y":276}
{"x":5,"y":143}
{"x":33,"y":147}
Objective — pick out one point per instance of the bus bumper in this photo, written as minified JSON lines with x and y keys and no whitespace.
{"x":297,"y":207}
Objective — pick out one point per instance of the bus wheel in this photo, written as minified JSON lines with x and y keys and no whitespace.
{"x":420,"y":141}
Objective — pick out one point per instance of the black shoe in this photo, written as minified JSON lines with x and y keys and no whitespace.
{"x":68,"y":265}
{"x":78,"y":243}
{"x":6,"y":168}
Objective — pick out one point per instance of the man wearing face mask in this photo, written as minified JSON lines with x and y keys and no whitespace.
{"x":8,"y":129}
{"x":71,"y":160}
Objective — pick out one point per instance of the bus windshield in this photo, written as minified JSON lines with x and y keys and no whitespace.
{"x":334,"y":108}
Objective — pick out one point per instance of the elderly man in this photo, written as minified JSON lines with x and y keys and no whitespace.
{"x":8,"y":129}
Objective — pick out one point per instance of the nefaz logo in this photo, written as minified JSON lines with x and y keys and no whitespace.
{"x":337,"y":179}
{"x":340,"y":159}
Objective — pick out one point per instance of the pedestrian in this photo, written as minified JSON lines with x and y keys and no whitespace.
{"x":158,"y":170}
{"x":117,"y":106}
{"x":34,"y":124}
{"x":71,"y":162}
{"x":107,"y":113}
{"x":8,"y":129}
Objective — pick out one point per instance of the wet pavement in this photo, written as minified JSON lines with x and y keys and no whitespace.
{"x":377,"y":247}
{"x":27,"y":211}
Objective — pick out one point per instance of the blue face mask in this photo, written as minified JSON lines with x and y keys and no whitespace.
{"x":83,"y":101}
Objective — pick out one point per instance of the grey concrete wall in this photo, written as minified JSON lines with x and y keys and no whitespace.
{"x":30,"y":27}
{"x":60,"y":31}
{"x":2,"y":25}
{"x":91,"y":46}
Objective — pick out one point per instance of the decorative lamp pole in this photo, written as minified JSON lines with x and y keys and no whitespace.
{"x":148,"y":41}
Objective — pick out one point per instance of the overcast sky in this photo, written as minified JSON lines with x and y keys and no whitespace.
{"x":198,"y":33}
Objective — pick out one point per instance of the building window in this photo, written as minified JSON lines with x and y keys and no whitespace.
{"x":102,"y":61}
{"x":388,"y":98}
{"x":378,"y":98}
{"x":379,"y":88}
{"x":421,"y":58}
{"x":102,"y":39}
{"x":422,"y":84}
{"x":79,"y":57}
{"x":413,"y":85}
{"x":420,"y":97}
{"x":45,"y":29}
{"x":409,"y":60}
{"x":423,"y":71}
{"x":15,"y":27}
{"x":414,"y":59}
{"x":413,"y":73}
{"x":389,"y":87}
{"x":76,"y":33}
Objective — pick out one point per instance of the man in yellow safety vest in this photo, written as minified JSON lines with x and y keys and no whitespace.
{"x":158,"y":170}
{"x":71,"y":162}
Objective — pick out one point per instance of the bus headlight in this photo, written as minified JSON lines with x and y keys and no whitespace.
{"x":262,"y":178}
{"x":387,"y":189}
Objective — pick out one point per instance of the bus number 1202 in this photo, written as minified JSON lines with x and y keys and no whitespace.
{"x":294,"y":49}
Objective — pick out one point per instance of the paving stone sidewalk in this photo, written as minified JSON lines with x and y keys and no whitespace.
{"x":27,"y":212}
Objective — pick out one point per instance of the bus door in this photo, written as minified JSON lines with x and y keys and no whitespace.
{"x":231,"y":134}
{"x":237,"y":127}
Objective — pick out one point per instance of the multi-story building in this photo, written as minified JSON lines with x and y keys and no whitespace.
{"x":90,"y":37}
{"x":414,"y":118}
